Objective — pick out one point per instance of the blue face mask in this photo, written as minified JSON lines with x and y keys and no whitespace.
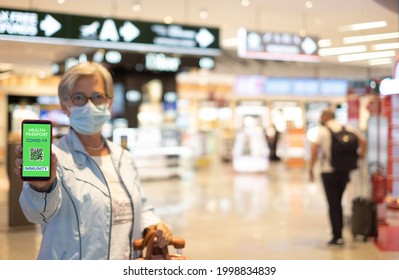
{"x":89,"y":118}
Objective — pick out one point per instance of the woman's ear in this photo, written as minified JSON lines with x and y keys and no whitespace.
{"x":64,"y":108}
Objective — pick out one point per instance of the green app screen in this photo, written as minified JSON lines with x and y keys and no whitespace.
{"x":36,"y":150}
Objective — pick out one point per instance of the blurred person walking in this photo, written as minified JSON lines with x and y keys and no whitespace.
{"x":334,"y":180}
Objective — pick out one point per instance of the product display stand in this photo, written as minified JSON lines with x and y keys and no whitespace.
{"x":250,"y":152}
{"x":391,"y":111}
{"x":163,"y":162}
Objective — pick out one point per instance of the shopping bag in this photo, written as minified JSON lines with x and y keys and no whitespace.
{"x":148,"y":251}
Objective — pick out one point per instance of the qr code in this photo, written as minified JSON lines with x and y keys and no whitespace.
{"x":36,"y":154}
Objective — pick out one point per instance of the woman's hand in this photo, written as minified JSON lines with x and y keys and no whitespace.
{"x":163,"y":235}
{"x":40,"y":186}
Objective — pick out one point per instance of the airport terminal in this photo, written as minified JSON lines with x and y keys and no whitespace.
{"x":219,"y":104}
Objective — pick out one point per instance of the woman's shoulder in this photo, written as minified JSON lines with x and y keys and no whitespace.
{"x":118,"y":151}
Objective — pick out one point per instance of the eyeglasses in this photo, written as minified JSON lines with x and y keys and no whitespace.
{"x":79,"y":99}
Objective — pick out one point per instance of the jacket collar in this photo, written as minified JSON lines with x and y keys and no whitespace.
{"x":78,"y":152}
{"x":80,"y":156}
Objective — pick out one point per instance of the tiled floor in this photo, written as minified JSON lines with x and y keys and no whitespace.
{"x":225,"y":216}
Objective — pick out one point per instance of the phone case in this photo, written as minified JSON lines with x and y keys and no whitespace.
{"x":36,"y":140}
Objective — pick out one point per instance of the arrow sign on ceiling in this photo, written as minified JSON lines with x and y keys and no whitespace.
{"x":309,"y":46}
{"x":96,"y":32}
{"x":49,"y":25}
{"x":129,"y":31}
{"x":204,"y":38}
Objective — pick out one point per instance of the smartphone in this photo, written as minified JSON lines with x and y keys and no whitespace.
{"x":36,"y":139}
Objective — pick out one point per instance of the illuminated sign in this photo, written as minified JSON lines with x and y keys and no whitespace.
{"x":155,"y":62}
{"x":277,"y":46}
{"x":283,"y":86}
{"x":391,"y":86}
{"x":52,"y":28}
{"x":161,"y":62}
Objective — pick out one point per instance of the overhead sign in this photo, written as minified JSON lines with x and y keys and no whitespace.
{"x":277,"y":46}
{"x":284,"y":86}
{"x":140,"y":62}
{"x":52,"y":28}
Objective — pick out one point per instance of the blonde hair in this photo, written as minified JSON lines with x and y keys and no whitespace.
{"x":73,"y":74}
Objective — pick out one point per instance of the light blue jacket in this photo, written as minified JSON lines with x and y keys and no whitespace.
{"x":75,"y":215}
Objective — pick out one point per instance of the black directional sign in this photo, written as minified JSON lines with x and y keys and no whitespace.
{"x":122,"y":34}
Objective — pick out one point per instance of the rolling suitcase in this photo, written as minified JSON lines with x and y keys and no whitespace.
{"x":364,"y":218}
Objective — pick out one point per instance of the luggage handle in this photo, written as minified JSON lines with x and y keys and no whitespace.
{"x":148,"y":243}
{"x":176,"y":242}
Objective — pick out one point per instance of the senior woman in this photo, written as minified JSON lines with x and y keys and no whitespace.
{"x":93,"y":206}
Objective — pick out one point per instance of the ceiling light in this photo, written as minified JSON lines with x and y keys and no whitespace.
{"x":362,"y":26}
{"x":309,"y":4}
{"x":324,"y":43}
{"x":98,"y":56}
{"x":42,"y":74}
{"x":60,"y":2}
{"x":136,"y":7}
{"x":342,"y":50}
{"x":383,"y":47}
{"x":368,"y":38}
{"x":365,"y":56}
{"x":245,"y":3}
{"x":168,"y":20}
{"x":203,"y":14}
{"x":380,"y":61}
{"x":113,"y":57}
{"x":55,"y":68}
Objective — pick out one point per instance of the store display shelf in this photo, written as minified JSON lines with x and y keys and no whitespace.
{"x":144,"y":151}
{"x":163,"y":161}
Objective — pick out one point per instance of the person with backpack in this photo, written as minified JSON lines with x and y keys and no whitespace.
{"x":339,"y":148}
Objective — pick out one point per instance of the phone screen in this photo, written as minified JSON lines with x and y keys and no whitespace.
{"x":36,"y":149}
